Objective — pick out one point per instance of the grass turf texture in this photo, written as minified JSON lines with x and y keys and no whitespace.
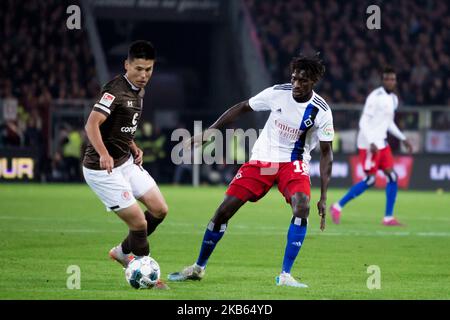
{"x":44,"y":229}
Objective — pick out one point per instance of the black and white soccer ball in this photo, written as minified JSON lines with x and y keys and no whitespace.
{"x":142,"y":272}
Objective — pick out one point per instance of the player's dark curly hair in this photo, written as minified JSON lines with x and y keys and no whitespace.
{"x":313,"y":66}
{"x":388,"y":69}
{"x":141,"y":49}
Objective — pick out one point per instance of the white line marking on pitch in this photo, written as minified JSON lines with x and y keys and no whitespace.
{"x":252,"y":232}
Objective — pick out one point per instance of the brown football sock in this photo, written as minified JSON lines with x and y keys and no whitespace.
{"x":152,"y":222}
{"x":137,"y":243}
{"x":126,"y":245}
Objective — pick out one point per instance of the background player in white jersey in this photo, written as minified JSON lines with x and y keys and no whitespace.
{"x":374,"y":152}
{"x":299,"y":119}
{"x":112,"y":164}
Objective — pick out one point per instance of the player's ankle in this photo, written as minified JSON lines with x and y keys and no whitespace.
{"x":199,"y":266}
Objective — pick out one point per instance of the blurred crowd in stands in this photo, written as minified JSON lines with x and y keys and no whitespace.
{"x":41,"y":61}
{"x":41,"y":58}
{"x":414,"y":38}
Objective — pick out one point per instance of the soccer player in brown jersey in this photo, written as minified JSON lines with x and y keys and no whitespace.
{"x":112,"y":164}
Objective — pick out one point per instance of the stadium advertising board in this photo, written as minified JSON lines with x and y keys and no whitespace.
{"x":340,"y":176}
{"x":431,"y":172}
{"x":438,"y":141}
{"x":402,"y":166}
{"x":17,"y":165}
{"x":421,"y":172}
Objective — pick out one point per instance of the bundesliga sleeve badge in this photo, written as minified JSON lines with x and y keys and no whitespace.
{"x":107,"y":99}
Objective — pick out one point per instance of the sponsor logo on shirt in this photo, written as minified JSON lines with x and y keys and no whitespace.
{"x":288,"y":132}
{"x":131,"y":129}
{"x":128,"y":129}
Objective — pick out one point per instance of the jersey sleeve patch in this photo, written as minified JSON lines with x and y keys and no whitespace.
{"x":328,"y":131}
{"x":107,"y":99}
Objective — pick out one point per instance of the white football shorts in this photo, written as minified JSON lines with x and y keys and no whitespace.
{"x":120,"y":188}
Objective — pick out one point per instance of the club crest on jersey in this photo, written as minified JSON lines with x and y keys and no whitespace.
{"x":126,"y":195}
{"x":308,"y":122}
{"x":130,"y":104}
{"x":107,"y":99}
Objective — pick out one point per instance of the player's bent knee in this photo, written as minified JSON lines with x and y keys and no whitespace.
{"x":301,"y":211}
{"x":370,"y":180}
{"x":391,"y":176}
{"x":138,"y":224}
{"x":162,"y":211}
{"x":300,"y":198}
{"x":300,"y":205}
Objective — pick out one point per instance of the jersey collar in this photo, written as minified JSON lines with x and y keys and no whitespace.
{"x":306,"y":102}
{"x":133,"y":87}
{"x":385,"y":92}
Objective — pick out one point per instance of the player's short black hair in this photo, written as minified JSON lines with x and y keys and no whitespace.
{"x":388,"y":69}
{"x":313,"y":66}
{"x":141,"y":49}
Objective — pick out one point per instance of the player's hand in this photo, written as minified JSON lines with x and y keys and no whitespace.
{"x":373,"y":148}
{"x":193,"y":142}
{"x":106,"y":162}
{"x":138,"y":155}
{"x":196,"y":141}
{"x":322,"y":206}
{"x":408,"y":146}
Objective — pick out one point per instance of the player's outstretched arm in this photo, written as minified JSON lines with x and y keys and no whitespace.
{"x":92,"y":128}
{"x":229,"y":116}
{"x":326,"y":163}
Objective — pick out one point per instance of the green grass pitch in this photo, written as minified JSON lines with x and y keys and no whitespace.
{"x":44,"y":229}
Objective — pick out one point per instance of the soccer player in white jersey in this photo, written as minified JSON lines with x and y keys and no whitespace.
{"x":374,"y":152}
{"x":299,"y":119}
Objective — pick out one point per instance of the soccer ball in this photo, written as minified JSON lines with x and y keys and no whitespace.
{"x":142,"y":272}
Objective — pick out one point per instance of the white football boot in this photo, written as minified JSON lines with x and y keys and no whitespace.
{"x":285,"y":279}
{"x":117,"y":254}
{"x":194,"y":272}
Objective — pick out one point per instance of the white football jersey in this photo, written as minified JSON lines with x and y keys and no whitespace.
{"x":293,"y":129}
{"x":377,"y":119}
